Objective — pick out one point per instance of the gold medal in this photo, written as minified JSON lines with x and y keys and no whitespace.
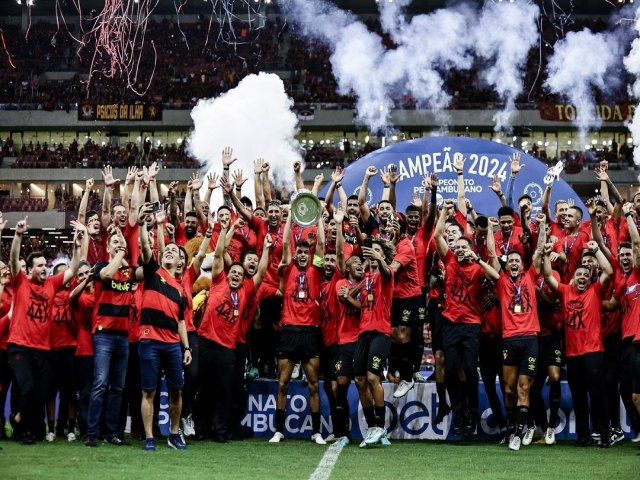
{"x":236,"y":313}
{"x":301,"y":295}
{"x":370,"y":297}
{"x":517,"y":309}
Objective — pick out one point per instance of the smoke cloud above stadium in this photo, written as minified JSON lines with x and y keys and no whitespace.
{"x":256,"y":120}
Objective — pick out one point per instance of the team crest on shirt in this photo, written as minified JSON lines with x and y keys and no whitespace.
{"x":338,"y":366}
{"x":162,"y":279}
{"x":126,"y":274}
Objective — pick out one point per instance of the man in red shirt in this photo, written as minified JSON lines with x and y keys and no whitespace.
{"x":520,"y":328}
{"x":29,"y":342}
{"x":581,"y":305}
{"x":461,"y":329}
{"x":162,"y":333}
{"x":301,"y":336}
{"x":374,"y":339}
{"x":572,"y":241}
{"x":229,"y":297}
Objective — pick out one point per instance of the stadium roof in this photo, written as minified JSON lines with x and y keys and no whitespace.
{"x":165,"y":7}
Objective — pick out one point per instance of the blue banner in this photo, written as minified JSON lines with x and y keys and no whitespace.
{"x":410,"y":417}
{"x":485,"y":158}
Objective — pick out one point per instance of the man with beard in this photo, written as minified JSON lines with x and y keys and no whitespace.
{"x":461,"y":329}
{"x":626,"y":296}
{"x":229,"y":298}
{"x":572,"y":241}
{"x":520,"y":327}
{"x":162,"y":333}
{"x":300,"y":339}
{"x":29,"y":342}
{"x":347,"y":314}
{"x":581,"y":305}
{"x":560,"y":209}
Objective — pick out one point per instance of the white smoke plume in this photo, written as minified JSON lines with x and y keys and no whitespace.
{"x":581,"y":62}
{"x":504,"y":35}
{"x":256,"y":120}
{"x":632,"y":64}
{"x":426,"y":48}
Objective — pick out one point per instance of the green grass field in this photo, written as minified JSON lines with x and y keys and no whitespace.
{"x":297,"y":459}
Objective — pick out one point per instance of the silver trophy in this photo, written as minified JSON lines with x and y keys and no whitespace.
{"x":553,"y":173}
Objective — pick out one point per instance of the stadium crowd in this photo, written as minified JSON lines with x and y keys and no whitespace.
{"x":204,"y":291}
{"x":198,"y":62}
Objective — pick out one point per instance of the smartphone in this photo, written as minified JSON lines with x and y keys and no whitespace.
{"x":155,"y":207}
{"x":367,"y":242}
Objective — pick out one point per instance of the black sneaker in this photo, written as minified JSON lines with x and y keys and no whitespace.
{"x":91,"y":441}
{"x":115,"y":440}
{"x":443,"y":411}
{"x":458,"y":425}
{"x":616,"y":435}
{"x":596,"y":440}
{"x":471,"y":425}
{"x":28,"y":439}
{"x":583,"y":442}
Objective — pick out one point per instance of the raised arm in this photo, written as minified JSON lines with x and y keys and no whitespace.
{"x":607,"y":188}
{"x":458,"y":166}
{"x":438,"y":235}
{"x":496,"y":186}
{"x":109,"y":186}
{"x":116,"y":262}
{"x":297,"y":173}
{"x":240,"y":208}
{"x":238,"y":181}
{"x":204,"y":245}
{"x":546,"y":201}
{"x":490,"y":272}
{"x":14,"y":253}
{"x":317,"y":184}
{"x":547,"y":270}
{"x":146,"y":251}
{"x":319,"y":252}
{"x":431,"y":189}
{"x":84,"y":201}
{"x":491,"y":246}
{"x":257,"y":182}
{"x":538,"y":255}
{"x":595,"y":229}
{"x":218,"y":255}
{"x":286,"y":242}
{"x":266,"y":186}
{"x":264,"y":262}
{"x":605,"y":266}
{"x":227,"y":161}
{"x":154,"y":169}
{"x":362,"y":195}
{"x":338,"y":216}
{"x":516,"y":166}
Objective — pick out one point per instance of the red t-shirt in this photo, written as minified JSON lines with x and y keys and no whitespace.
{"x":329,"y":310}
{"x":31,"y":321}
{"x":82,"y":309}
{"x":163,"y":304}
{"x":623,"y":231}
{"x":4,"y":331}
{"x":582,"y":319}
{"x":375,"y":297}
{"x":225,"y":309}
{"x":549,"y":314}
{"x":572,"y":246}
{"x":301,"y":295}
{"x":463,"y":290}
{"x":609,"y":233}
{"x":188,"y":279}
{"x":64,"y":328}
{"x":628,"y":296}
{"x":250,"y":314}
{"x":505,"y":243}
{"x":407,"y":284}
{"x":518,"y":304}
{"x":479,"y":246}
{"x":5,"y":300}
{"x":348,"y":316}
{"x":420,"y":240}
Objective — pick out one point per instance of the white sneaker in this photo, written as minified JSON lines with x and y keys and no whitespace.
{"x":367,"y":434}
{"x":330,"y":438}
{"x":403,"y":388}
{"x":277,"y":438}
{"x":71,"y":437}
{"x":317,"y":439}
{"x":527,"y":438}
{"x":550,"y":436}
{"x":514,"y":443}
{"x":419,"y":378}
{"x":50,"y":437}
{"x":636,"y":439}
{"x":188,"y":428}
{"x":376,"y":434}
{"x":384,"y":441}
{"x":342,"y":441}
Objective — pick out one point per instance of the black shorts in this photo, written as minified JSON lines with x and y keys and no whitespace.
{"x":328,"y":359}
{"x":404,"y":311}
{"x":550,"y":350}
{"x":344,"y":365}
{"x":299,"y":344}
{"x":436,"y":320}
{"x":521,"y":352}
{"x":422,"y":309}
{"x":371,"y":353}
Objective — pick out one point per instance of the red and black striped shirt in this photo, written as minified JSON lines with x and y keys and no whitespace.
{"x":113,"y":300}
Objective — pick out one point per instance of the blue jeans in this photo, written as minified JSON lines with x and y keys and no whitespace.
{"x":110,"y":356}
